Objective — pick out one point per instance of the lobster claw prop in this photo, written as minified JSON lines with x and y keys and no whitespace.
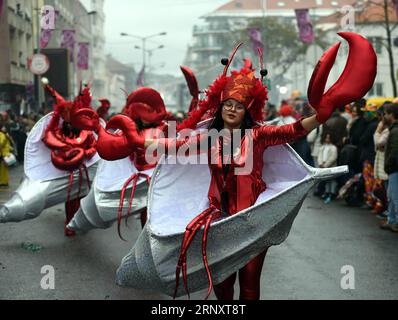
{"x":128,"y":128}
{"x":110,"y":146}
{"x":69,"y":160}
{"x":85,"y":119}
{"x":193,"y":87}
{"x":354,"y":83}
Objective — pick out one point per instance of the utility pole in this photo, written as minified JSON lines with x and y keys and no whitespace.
{"x":38,"y":29}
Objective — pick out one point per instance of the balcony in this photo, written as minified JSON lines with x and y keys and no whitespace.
{"x":209,"y":29}
{"x":206,"y":48}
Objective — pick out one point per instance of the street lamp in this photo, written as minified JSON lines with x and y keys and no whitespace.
{"x":149,"y":52}
{"x":143,"y":39}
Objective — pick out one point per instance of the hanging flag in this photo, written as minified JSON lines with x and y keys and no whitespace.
{"x":256,"y":40}
{"x":83,"y":55}
{"x":46,"y":34}
{"x":68,"y":42}
{"x":141,"y":78}
{"x":1,"y":7}
{"x":305,"y":26}
{"x":395,"y":4}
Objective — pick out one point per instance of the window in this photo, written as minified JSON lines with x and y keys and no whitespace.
{"x":377,"y":90}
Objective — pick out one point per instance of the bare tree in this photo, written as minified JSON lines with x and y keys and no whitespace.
{"x":388,"y":11}
{"x":283,"y":46}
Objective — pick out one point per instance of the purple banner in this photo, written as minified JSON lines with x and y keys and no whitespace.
{"x":1,"y":7}
{"x":395,"y":3}
{"x":141,"y":78}
{"x":256,"y":40}
{"x":305,"y":26}
{"x":46,"y":34}
{"x":68,"y":42}
{"x":83,"y":55}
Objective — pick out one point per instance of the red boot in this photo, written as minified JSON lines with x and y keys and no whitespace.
{"x":71,"y":207}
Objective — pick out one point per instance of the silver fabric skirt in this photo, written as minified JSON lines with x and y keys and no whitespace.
{"x":32,"y":197}
{"x":99,"y":210}
{"x":232,"y":242}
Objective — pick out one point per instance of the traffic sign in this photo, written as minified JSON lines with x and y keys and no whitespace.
{"x":39,"y":64}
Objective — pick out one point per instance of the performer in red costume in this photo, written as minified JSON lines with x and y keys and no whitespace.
{"x":146,"y":108}
{"x":70,"y":147}
{"x":236,"y":103}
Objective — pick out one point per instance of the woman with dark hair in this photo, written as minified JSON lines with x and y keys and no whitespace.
{"x":236,"y":103}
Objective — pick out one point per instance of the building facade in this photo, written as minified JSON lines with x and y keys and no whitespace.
{"x":211,"y":41}
{"x":16,"y":34}
{"x":369,"y":21}
{"x":98,"y":49}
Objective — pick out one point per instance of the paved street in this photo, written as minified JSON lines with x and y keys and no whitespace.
{"x":307,"y":266}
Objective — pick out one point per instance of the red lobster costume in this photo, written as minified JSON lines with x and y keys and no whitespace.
{"x":70,"y":147}
{"x":242,"y":191}
{"x":146,"y":108}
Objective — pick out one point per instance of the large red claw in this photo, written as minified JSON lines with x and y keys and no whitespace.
{"x":52,"y":141}
{"x":85,"y":119}
{"x":356,"y":80}
{"x":193,"y":87}
{"x":129,"y":129}
{"x":112,"y":147}
{"x":116,"y":146}
{"x":69,"y":160}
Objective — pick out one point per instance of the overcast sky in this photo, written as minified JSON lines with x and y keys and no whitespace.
{"x":147,"y":17}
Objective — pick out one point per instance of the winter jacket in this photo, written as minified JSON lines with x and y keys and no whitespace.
{"x":391,"y":156}
{"x":328,"y":156}
{"x":380,"y":140}
{"x":366,"y":143}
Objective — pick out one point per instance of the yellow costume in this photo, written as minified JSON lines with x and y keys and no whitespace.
{"x":5,"y":150}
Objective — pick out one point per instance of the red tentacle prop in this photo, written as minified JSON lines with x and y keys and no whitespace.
{"x":138,"y":176}
{"x":135,"y":181}
{"x":216,"y":215}
{"x":122,"y":196}
{"x":134,"y":178}
{"x":206,"y":217}
{"x":80,"y":183}
{"x":87,"y":176}
{"x":69,"y":187}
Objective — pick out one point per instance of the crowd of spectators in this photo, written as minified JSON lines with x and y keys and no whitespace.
{"x":362,"y":136}
{"x":14,"y":130}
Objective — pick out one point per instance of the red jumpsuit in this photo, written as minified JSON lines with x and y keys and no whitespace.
{"x":242,"y":191}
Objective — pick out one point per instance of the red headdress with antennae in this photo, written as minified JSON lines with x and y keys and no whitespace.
{"x":68,"y":152}
{"x":242,"y":86}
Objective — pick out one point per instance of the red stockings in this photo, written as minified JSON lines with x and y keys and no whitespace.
{"x":249,"y":281}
